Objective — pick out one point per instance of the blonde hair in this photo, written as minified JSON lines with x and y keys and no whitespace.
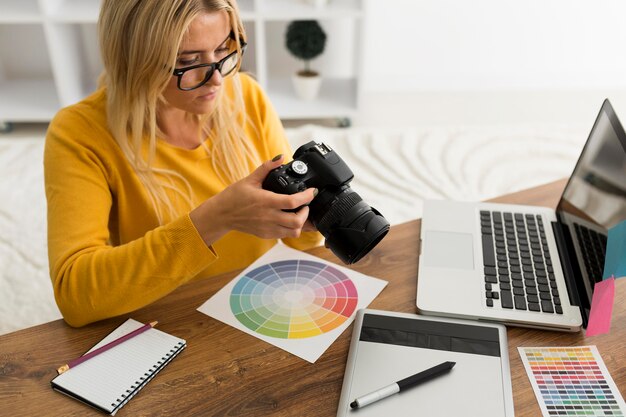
{"x":139,"y":41}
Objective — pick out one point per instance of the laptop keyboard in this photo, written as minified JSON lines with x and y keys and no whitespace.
{"x":518,"y":266}
{"x":593,"y":247}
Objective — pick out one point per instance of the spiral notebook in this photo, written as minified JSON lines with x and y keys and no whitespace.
{"x":109,"y":380}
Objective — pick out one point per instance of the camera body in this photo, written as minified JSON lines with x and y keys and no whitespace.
{"x":351,"y":227}
{"x":315,"y":165}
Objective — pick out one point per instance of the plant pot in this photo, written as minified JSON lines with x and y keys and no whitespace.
{"x":307,"y":84}
{"x":320,"y":3}
{"x":317,"y":3}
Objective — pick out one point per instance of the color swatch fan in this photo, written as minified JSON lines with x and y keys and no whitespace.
{"x":293,"y":300}
{"x":572,"y":381}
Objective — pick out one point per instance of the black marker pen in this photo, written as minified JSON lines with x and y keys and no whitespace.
{"x":402,"y":385}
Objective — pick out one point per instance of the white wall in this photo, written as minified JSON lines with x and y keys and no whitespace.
{"x":498,"y":45}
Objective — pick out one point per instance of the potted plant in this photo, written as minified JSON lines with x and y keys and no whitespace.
{"x":305,"y":40}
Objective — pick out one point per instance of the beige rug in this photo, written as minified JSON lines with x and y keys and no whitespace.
{"x":394,"y":172}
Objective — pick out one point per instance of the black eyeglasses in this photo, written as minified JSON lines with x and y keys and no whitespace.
{"x":190,"y":78}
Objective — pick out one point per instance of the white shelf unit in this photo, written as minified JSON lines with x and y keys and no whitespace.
{"x":339,"y":65}
{"x":49,"y":55}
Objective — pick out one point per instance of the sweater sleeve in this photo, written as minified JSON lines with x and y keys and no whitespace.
{"x":92,"y":279}
{"x":274,"y":142}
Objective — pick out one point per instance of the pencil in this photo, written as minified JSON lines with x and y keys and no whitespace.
{"x":106,"y":347}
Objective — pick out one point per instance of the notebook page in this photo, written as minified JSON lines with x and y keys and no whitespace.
{"x":104,"y":379}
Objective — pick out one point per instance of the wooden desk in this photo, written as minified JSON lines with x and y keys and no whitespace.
{"x":226,"y":372}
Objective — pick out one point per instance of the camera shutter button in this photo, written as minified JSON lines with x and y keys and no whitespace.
{"x":299,"y":167}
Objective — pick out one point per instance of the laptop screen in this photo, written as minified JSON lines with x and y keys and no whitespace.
{"x":594,"y":200}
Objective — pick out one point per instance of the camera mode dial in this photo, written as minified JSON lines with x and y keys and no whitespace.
{"x":299,"y":167}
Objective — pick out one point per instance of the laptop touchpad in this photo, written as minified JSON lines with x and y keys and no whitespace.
{"x":448,"y":250}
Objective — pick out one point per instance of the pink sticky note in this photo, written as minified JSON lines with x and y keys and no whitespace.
{"x":601,"y":307}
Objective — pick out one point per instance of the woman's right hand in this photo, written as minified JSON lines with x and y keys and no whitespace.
{"x":246,"y":207}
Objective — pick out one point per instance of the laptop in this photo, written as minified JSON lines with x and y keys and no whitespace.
{"x":524,"y":265}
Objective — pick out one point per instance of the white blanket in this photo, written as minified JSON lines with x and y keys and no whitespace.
{"x":394,"y":172}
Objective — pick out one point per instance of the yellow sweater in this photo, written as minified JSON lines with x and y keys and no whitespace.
{"x":108,"y":255}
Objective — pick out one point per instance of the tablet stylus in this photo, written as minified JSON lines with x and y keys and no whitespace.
{"x":403,"y":384}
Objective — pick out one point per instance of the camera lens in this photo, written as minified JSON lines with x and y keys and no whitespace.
{"x":351,"y":227}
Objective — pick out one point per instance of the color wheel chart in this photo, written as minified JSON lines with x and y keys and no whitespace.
{"x":572,"y":381}
{"x":293,"y":299}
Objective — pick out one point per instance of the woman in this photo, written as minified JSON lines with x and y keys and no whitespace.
{"x":154,"y":180}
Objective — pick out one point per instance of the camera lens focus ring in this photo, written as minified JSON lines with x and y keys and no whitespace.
{"x":338,"y":211}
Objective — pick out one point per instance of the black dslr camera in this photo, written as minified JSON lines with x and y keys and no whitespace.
{"x":351,"y":227}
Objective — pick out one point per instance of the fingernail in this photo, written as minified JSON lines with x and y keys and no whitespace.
{"x":315,"y":192}
{"x":277,"y":157}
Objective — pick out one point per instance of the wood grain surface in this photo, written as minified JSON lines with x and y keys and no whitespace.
{"x":225,"y":372}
